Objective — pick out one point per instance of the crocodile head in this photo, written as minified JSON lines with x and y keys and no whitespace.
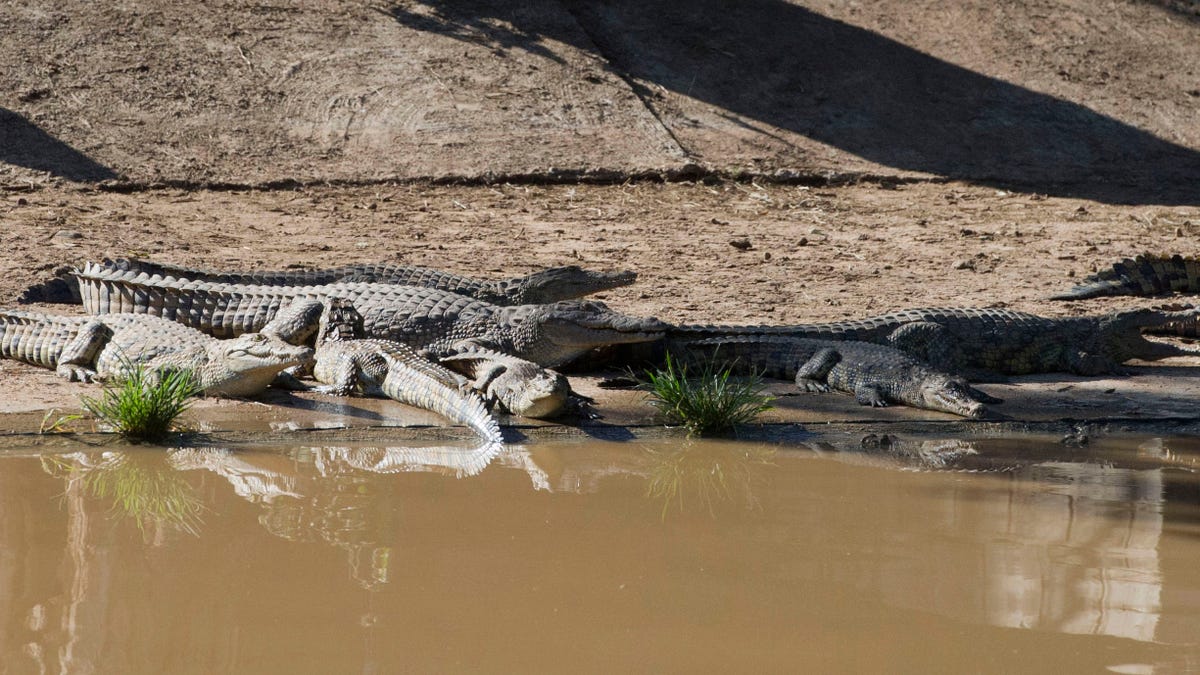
{"x":1121,"y":334}
{"x":554,"y":334}
{"x":950,"y":394}
{"x":247,"y":364}
{"x":530,"y":391}
{"x":560,"y":283}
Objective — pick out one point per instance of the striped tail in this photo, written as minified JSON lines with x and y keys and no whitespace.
{"x":35,"y":338}
{"x":423,"y":384}
{"x":1144,"y":275}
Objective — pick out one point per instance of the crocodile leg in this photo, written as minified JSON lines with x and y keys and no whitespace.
{"x":870,"y":394}
{"x":80,"y":354}
{"x":812,"y":373}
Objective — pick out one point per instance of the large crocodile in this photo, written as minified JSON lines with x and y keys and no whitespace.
{"x":344,"y":363}
{"x":85,"y":348}
{"x":977,"y":343}
{"x":875,"y":374}
{"x":549,"y":285}
{"x":439,"y":322}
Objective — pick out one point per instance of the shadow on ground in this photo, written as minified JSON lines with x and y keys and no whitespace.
{"x":853,"y":89}
{"x":24,"y":144}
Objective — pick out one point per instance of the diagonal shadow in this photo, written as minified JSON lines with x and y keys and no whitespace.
{"x":23,"y":143}
{"x":772,"y":62}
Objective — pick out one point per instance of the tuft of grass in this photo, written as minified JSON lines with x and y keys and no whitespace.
{"x":58,"y":426}
{"x":708,"y":404}
{"x":143,"y":405}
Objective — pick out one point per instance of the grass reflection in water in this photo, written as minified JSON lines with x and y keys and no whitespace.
{"x":709,"y":473}
{"x":143,"y":487}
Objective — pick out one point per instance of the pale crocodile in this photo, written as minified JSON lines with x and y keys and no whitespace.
{"x":85,"y":348}
{"x":520,"y":387}
{"x":345,"y":363}
{"x":438,"y":322}
{"x":549,"y":285}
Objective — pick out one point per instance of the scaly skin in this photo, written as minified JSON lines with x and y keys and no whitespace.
{"x":345,"y":362}
{"x":875,"y":374}
{"x":550,"y":285}
{"x":521,"y":387}
{"x":1144,"y":275}
{"x":438,"y":322}
{"x":86,"y":348}
{"x":981,"y":343}
{"x":396,"y":371}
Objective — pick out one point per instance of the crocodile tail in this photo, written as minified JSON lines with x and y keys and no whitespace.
{"x":36,"y":338}
{"x":1144,"y":275}
{"x":426,"y":385}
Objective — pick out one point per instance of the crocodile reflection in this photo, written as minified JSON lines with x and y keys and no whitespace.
{"x":328,"y":494}
{"x":1056,"y":546}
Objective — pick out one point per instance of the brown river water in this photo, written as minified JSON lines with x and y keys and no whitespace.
{"x":644,"y":556}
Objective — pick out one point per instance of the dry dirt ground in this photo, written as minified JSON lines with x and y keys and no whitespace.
{"x":873,"y":155}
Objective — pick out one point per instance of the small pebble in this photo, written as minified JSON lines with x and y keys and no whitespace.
{"x":741,"y":244}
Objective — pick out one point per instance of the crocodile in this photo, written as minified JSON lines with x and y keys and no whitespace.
{"x":549,"y":285}
{"x":87,"y":348}
{"x":439,"y":322}
{"x":876,"y":374}
{"x":1145,"y":275}
{"x":344,"y":363}
{"x":980,"y":344}
{"x":520,"y":387}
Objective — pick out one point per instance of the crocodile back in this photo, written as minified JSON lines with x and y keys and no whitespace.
{"x":410,"y":314}
{"x":386,"y":273}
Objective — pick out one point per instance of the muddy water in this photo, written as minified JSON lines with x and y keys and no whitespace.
{"x":662,"y":556}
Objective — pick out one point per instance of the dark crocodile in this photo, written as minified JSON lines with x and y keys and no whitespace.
{"x":1145,"y":275}
{"x":550,"y":285}
{"x":438,"y":322}
{"x":84,"y":348}
{"x":979,"y":344}
{"x":876,"y":374}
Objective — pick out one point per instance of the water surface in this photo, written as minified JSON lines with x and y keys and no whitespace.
{"x":645,"y":556}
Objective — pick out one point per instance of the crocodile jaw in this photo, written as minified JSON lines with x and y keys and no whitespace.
{"x":247,"y":365}
{"x":950,"y":396}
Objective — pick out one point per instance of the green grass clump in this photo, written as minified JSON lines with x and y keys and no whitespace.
{"x":708,"y":404}
{"x":143,"y":405}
